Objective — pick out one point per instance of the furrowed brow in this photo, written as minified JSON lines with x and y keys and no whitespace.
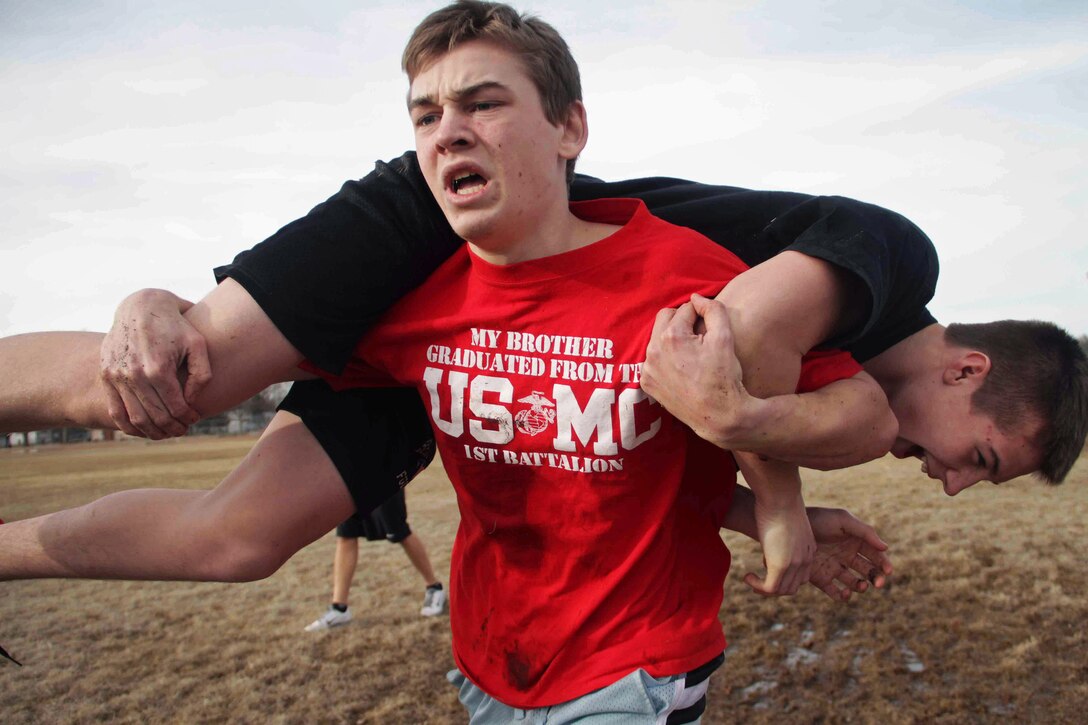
{"x":457,"y":95}
{"x":478,"y":88}
{"x":418,"y":101}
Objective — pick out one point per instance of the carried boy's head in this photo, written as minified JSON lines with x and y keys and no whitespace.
{"x":543,"y":52}
{"x":1037,"y":371}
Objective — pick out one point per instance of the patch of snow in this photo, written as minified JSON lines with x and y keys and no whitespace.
{"x":800,"y":656}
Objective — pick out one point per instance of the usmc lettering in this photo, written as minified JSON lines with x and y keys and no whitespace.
{"x":496,"y":414}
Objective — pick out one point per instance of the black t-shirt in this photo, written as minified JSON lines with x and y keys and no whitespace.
{"x":324,"y":279}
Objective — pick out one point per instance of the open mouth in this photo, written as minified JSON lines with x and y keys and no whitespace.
{"x":467,"y":183}
{"x":920,"y":453}
{"x":914,"y":451}
{"x":903,"y":448}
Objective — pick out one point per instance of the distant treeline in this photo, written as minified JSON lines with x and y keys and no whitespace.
{"x":250,"y":416}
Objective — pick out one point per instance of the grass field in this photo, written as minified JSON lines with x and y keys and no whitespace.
{"x":983,"y":621}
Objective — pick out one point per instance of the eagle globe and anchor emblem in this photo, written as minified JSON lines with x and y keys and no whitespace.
{"x":538,"y":416}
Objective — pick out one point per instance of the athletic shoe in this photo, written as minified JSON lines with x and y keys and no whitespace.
{"x":434,"y":602}
{"x":328,"y":620}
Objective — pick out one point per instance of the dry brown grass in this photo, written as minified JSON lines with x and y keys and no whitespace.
{"x":983,"y":621}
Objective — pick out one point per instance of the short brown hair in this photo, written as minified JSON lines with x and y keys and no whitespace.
{"x":1037,"y":369}
{"x":543,"y":52}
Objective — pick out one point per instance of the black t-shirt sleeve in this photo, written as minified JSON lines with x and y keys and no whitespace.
{"x":894,"y":261}
{"x":325,"y":278}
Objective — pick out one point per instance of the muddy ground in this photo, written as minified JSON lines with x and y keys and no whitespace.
{"x":983,"y":621}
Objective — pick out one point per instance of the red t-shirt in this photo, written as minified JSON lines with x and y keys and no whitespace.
{"x":589,"y":538}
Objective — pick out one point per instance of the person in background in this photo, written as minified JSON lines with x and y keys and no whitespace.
{"x":388,"y":522}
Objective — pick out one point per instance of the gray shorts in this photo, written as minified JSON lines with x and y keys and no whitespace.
{"x":636,"y":699}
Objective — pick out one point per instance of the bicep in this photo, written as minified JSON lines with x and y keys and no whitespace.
{"x":246,"y":350}
{"x":781,"y":309}
{"x":802,"y":298}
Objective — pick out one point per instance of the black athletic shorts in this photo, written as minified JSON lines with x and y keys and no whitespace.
{"x":389,"y":522}
{"x":378,"y":438}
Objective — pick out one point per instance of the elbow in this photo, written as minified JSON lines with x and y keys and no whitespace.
{"x":880,"y":428}
{"x":871,"y":444}
{"x":884,"y":434}
{"x":883,"y":430}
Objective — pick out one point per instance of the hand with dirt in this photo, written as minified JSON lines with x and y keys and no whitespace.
{"x":850,"y":556}
{"x":153,"y":362}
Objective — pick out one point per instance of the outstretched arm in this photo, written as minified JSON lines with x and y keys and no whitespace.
{"x":850,"y":556}
{"x":242,"y":530}
{"x":53,"y":378}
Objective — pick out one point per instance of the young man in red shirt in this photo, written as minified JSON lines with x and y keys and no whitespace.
{"x":533,"y":418}
{"x":589,"y":553}
{"x":587,"y":569}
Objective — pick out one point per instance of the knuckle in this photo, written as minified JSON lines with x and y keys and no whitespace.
{"x":159,"y":418}
{"x":157,"y":371}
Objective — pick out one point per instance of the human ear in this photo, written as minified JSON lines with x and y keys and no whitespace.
{"x":575,"y":131}
{"x":969,"y":367}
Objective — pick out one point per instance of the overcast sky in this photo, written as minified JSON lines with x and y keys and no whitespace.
{"x":142,"y":144}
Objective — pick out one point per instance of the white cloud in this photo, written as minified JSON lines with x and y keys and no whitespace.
{"x":166,"y":87}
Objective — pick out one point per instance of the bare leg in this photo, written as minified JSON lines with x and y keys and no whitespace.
{"x":244,"y":529}
{"x":343,"y":568}
{"x":417,"y":554}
